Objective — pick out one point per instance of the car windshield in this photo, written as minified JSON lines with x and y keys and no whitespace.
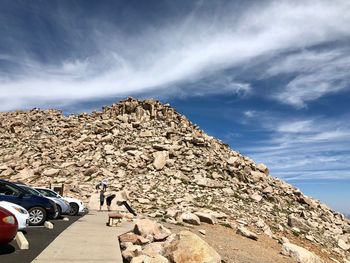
{"x":47,"y":193}
{"x":6,"y":189}
{"x":30,"y":190}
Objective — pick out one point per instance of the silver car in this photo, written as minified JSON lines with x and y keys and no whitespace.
{"x":62,"y":205}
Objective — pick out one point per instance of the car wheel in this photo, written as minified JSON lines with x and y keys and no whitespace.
{"x":59,"y":212}
{"x":37,"y":216}
{"x":74,"y":209}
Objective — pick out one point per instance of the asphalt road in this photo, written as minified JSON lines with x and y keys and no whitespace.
{"x":38,"y":237}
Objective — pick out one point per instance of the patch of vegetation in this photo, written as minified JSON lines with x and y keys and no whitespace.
{"x":225,"y":224}
{"x":295,"y":233}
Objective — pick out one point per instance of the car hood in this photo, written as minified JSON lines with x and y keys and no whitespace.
{"x":11,"y":207}
{"x":40,"y":199}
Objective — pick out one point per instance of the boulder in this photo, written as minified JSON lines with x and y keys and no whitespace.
{"x":256,"y":176}
{"x":131,"y":252}
{"x":156,"y":259}
{"x":301,"y":255}
{"x":343,"y":245}
{"x":206,"y":218}
{"x":51,"y":172}
{"x":308,"y":201}
{"x":263,"y":168}
{"x":187,"y":247}
{"x":129,"y":237}
{"x":256,"y":197}
{"x":190,"y":218}
{"x":146,"y":227}
{"x":90,"y":171}
{"x":246,"y":233}
{"x":145,"y":134}
{"x":233,"y":160}
{"x":153,"y":249}
{"x":139,"y":259}
{"x":294,"y":221}
{"x":160,"y":159}
{"x":23,"y":175}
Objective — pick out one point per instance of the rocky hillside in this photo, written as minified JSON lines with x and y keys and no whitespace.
{"x":166,"y":164}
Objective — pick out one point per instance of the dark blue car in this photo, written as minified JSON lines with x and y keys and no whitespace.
{"x":39,"y":208}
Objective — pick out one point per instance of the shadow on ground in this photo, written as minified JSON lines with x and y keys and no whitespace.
{"x":38,"y":237}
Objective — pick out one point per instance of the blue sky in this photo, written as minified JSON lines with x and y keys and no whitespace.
{"x":270,"y":78}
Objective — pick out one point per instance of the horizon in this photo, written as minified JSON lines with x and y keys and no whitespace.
{"x":271,"y":79}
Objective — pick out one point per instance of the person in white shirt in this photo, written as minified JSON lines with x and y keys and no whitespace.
{"x":104,"y":184}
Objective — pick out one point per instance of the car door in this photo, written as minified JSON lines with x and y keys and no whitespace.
{"x":10,"y":194}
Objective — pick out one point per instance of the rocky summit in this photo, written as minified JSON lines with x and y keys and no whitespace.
{"x":169,"y":168}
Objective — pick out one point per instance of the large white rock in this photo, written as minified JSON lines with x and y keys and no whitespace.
{"x":51,"y":172}
{"x":233,"y":160}
{"x":146,"y":227}
{"x":206,"y":217}
{"x":256,"y":176}
{"x":190,"y":218}
{"x":188,"y":247}
{"x":156,"y":259}
{"x":263,"y":168}
{"x":256,"y":197}
{"x":300,"y":254}
{"x":246,"y":233}
{"x":343,"y":245}
{"x":160,"y":159}
{"x":298,"y":222}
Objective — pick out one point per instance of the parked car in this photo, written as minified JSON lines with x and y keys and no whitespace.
{"x":8,"y":226}
{"x":76,"y":205}
{"x":38,"y":207}
{"x":62,"y":205}
{"x":19,"y":212}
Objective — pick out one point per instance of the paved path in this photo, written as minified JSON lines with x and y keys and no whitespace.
{"x":87,"y":240}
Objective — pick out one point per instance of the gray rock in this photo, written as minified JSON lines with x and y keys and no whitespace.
{"x":246,"y":233}
{"x":190,"y":218}
{"x":300,"y":254}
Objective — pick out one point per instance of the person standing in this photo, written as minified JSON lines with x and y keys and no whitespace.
{"x":104,"y":184}
{"x":102,"y":199}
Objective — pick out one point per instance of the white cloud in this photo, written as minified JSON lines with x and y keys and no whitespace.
{"x":295,"y":126}
{"x":318,"y":73}
{"x":309,"y":148}
{"x":249,"y":113}
{"x":182,"y":52}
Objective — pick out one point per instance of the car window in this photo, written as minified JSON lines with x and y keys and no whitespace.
{"x":47,"y":193}
{"x":30,"y":190}
{"x":9,"y":190}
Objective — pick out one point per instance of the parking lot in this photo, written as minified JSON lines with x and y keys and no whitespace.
{"x":38,"y":237}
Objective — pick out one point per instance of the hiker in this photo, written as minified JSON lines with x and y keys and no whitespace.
{"x":104,"y":184}
{"x":102,"y":199}
{"x":109,"y":201}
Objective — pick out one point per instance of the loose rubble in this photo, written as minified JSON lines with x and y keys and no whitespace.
{"x":184,"y":246}
{"x":170,"y":168}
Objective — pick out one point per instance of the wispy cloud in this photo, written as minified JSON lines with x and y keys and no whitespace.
{"x":316,"y":73}
{"x":308,"y":148}
{"x":162,"y":58}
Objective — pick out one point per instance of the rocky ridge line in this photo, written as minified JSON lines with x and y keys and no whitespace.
{"x":171,"y":169}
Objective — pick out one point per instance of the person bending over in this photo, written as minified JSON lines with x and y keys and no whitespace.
{"x":109,"y":201}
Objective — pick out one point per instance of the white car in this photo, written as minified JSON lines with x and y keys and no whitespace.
{"x":76,"y":205}
{"x":19,"y":212}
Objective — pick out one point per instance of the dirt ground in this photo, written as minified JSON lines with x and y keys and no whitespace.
{"x":235,"y":248}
